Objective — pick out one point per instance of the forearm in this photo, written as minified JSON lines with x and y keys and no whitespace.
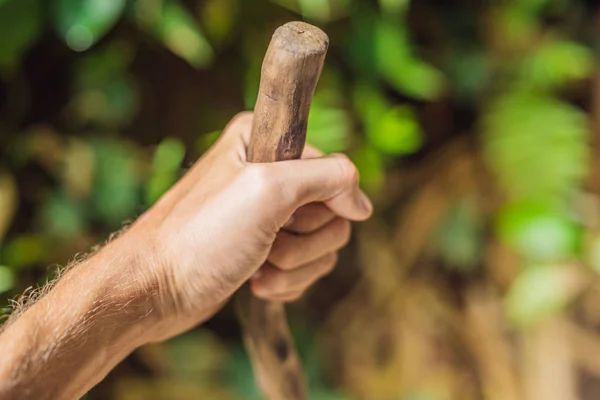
{"x":70,"y":339}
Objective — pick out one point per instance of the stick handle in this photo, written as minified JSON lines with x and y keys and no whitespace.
{"x":290,"y":71}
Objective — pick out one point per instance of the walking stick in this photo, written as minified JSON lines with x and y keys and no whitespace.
{"x":289,"y":75}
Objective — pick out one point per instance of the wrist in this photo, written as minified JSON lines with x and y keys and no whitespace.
{"x":170,"y":298}
{"x":92,"y":319}
{"x":133,"y":280}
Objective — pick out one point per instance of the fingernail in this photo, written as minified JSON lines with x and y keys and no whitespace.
{"x":365,"y":202}
{"x":289,"y":222}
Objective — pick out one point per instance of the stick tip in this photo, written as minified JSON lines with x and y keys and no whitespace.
{"x":301,"y":38}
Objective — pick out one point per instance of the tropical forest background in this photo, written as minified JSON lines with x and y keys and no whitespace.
{"x":476,"y":128}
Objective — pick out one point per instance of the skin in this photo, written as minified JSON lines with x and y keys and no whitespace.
{"x":225,"y":222}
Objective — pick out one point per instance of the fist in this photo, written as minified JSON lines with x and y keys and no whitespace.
{"x":227,"y":221}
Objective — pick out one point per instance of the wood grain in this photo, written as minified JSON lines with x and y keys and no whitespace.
{"x":290,"y":71}
{"x":289,"y":75}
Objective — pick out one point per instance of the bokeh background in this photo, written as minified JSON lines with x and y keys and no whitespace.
{"x":475,"y":126}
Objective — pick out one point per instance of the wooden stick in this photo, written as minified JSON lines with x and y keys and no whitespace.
{"x":290,"y":72}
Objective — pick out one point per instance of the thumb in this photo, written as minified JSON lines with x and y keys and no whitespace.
{"x":332,"y":180}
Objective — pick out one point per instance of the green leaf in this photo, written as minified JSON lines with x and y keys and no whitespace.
{"x":24,"y":251}
{"x":555,"y":63}
{"x":316,"y":10}
{"x":165,"y":168}
{"x":21,"y":22}
{"x":319,"y":10}
{"x":82,"y":23}
{"x":371,"y":168}
{"x":537,"y":146}
{"x":539,"y":292}
{"x":62,"y":217}
{"x":469,"y":72}
{"x":538,"y":232}
{"x":7,"y":279}
{"x":398,"y":132}
{"x":328,"y":125}
{"x":360,"y":44}
{"x":219,"y":19}
{"x":370,"y":104}
{"x":168,"y":155}
{"x":397,"y":64}
{"x":116,"y":186}
{"x":173,"y":25}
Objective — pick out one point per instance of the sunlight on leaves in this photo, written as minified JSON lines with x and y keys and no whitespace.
{"x":371,"y":168}
{"x":537,"y":146}
{"x":539,"y":292}
{"x":398,"y":132}
{"x":538,"y":232}
{"x":173,"y":24}
{"x":168,"y":155}
{"x":166,"y":166}
{"x":84,"y":22}
{"x":328,"y":124}
{"x":408,"y":74}
{"x":319,"y":10}
{"x":555,"y":63}
{"x":370,"y":104}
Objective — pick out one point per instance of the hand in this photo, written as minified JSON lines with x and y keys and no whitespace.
{"x":217,"y":227}
{"x":221,"y":225}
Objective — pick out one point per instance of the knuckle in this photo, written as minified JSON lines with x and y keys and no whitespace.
{"x":344,"y":232}
{"x":287,"y":261}
{"x":329,"y":262}
{"x":277,"y":285}
{"x":242,"y":119}
{"x":348,"y":169}
{"x":281,"y":284}
{"x":259,"y":180}
{"x":258,"y":288}
{"x":266,"y":288}
{"x":262,"y":292}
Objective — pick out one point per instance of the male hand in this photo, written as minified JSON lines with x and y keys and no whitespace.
{"x":219,"y":226}
{"x":226,"y":221}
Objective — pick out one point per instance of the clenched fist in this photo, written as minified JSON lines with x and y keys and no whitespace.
{"x":226,"y":221}
{"x":279,"y":224}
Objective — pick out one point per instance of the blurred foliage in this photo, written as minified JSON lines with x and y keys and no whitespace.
{"x":474,"y":125}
